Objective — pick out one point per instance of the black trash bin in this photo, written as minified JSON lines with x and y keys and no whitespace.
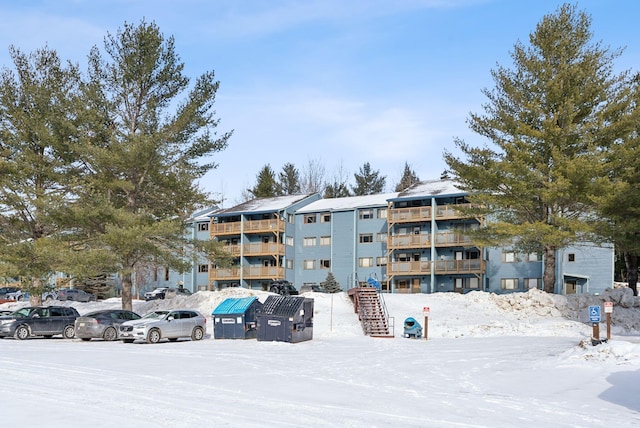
{"x":285,"y":319}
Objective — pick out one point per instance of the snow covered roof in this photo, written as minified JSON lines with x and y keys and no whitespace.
{"x":348,"y":203}
{"x":262,"y":205}
{"x":203,"y":215}
{"x":431,"y":188}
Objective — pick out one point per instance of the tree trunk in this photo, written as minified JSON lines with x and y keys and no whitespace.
{"x":549,"y":275}
{"x":631,"y":263}
{"x":126,"y":292}
{"x":35,"y":296}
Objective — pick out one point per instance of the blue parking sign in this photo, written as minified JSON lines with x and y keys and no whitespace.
{"x":594,"y":313}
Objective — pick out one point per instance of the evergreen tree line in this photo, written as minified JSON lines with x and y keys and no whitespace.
{"x":98,"y":169}
{"x":290,"y":181}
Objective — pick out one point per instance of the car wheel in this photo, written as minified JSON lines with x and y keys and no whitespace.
{"x":85,"y":339}
{"x":110,"y":334}
{"x":127,"y":340}
{"x":22,"y":332}
{"x":274,"y":290}
{"x":68,"y":332}
{"x":153,"y":336}
{"x":197,"y":333}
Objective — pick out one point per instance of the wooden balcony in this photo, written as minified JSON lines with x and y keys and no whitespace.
{"x":252,"y":226}
{"x":248,"y":272}
{"x":451,"y":211}
{"x":451,"y":240}
{"x":256,"y":249}
{"x":440,"y":267}
{"x":409,"y":215}
{"x":409,"y":241}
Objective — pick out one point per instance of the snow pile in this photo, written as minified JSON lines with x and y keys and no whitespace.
{"x":618,"y":352}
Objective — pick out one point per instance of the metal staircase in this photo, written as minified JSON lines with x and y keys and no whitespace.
{"x":372,"y":312}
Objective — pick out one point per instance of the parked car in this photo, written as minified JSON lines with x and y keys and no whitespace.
{"x":312,"y":287}
{"x":76,"y":295}
{"x":20,"y":295}
{"x":158,"y":325}
{"x":103,"y":324}
{"x":173,"y":292}
{"x":44,"y":321}
{"x":156,"y":293}
{"x":7,"y":290}
{"x":283,"y":287}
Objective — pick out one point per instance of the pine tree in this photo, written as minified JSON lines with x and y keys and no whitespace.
{"x":289,"y":180}
{"x":266,"y":185}
{"x":409,"y":178}
{"x":38,"y":131}
{"x":330,"y":284}
{"x":551,"y":120}
{"x":147,"y":134}
{"x":368,"y":182}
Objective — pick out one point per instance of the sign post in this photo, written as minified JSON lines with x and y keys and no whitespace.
{"x":426,"y":311}
{"x":594,"y":318}
{"x":608,"y":309}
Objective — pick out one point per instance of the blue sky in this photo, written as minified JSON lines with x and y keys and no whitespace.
{"x":335,"y":82}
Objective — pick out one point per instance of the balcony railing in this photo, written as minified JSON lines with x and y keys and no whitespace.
{"x":256,"y":249}
{"x":451,"y":211}
{"x":451,"y":239}
{"x":250,"y":226}
{"x":405,"y":215}
{"x":440,"y":267}
{"x":410,"y":241}
{"x":248,"y":272}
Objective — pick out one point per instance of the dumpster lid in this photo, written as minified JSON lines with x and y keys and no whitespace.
{"x":234,"y":305}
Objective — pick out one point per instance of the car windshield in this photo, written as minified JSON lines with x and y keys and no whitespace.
{"x":24,"y":312}
{"x":156,"y":315}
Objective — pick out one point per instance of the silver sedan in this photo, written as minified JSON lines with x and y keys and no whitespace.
{"x":103,"y":324}
{"x":171,"y":325}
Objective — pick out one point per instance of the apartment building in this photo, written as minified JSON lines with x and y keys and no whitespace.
{"x":415,"y":241}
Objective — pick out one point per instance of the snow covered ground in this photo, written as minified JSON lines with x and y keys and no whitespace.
{"x":521,"y":360}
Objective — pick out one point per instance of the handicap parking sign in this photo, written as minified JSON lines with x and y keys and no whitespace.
{"x":594,"y":313}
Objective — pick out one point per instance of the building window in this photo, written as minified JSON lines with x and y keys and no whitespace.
{"x":381,"y":237}
{"x":381,"y":261}
{"x":366,"y":238}
{"x":508,"y":257}
{"x":203,"y":268}
{"x":325,"y":218}
{"x":532,"y":257}
{"x":290,"y":218}
{"x":531,"y":283}
{"x":571,"y":257}
{"x":325,"y":264}
{"x":166,"y":274}
{"x":289,"y":263}
{"x":365,"y":214}
{"x":382,"y":213}
{"x":289,"y":241}
{"x":309,"y":264}
{"x":203,"y":227}
{"x":325,"y":240}
{"x":309,"y":241}
{"x":309,"y":218}
{"x":365,"y":262}
{"x":509,"y":283}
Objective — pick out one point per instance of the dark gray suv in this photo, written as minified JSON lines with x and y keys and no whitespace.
{"x":44,"y":321}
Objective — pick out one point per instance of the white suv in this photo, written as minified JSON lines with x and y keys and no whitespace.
{"x":158,"y":325}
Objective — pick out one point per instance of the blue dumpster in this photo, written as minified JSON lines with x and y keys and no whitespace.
{"x":412,"y":328}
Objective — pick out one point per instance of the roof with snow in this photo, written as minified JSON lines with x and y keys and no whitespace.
{"x":203,"y":215}
{"x":425,"y":189}
{"x":348,"y":203}
{"x":263,"y":205}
